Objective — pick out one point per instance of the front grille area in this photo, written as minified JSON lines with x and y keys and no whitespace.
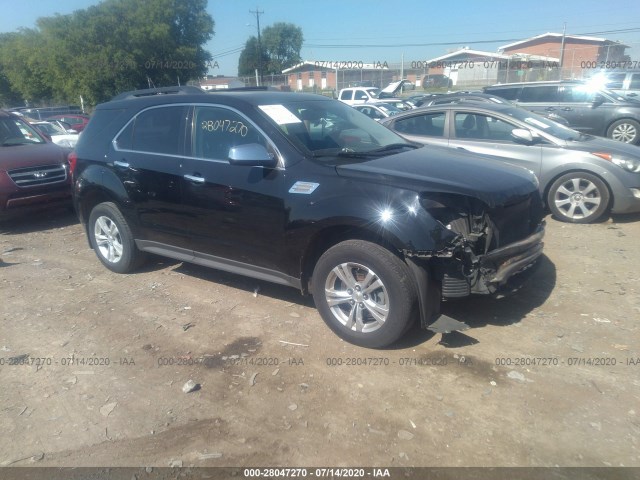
{"x":516,"y":221}
{"x":40,"y":175}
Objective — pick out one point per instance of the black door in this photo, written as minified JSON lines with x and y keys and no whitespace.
{"x":237,"y":216}
{"x":148,"y":157}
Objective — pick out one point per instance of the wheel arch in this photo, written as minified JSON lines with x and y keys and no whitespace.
{"x":562,"y":173}
{"x":327,"y":237}
{"x":610,"y":124}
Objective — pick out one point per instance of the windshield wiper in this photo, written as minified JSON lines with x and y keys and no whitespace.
{"x":392,"y":146}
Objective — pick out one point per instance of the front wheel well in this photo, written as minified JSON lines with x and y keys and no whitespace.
{"x":327,"y":238}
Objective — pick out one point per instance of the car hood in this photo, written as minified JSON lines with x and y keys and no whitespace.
{"x":19,"y":156}
{"x":440,"y":169}
{"x":604,"y":145}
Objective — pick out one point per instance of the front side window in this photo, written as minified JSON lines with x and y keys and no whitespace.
{"x":217,"y":130}
{"x":428,"y":124}
{"x":578,"y":94}
{"x":157,"y":130}
{"x":360,"y":95}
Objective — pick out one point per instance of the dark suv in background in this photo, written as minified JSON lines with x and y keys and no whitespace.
{"x":303,"y":191}
{"x":587,"y":109}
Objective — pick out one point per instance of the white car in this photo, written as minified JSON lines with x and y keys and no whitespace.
{"x":59,"y":135}
{"x":378,"y":111}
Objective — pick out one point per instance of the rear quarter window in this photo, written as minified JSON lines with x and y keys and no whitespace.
{"x":540,"y":93}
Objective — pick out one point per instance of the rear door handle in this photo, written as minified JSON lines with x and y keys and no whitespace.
{"x":120,"y":164}
{"x":194,"y":179}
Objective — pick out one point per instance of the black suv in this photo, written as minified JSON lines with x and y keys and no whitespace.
{"x":304,"y":191}
{"x":586,"y":108}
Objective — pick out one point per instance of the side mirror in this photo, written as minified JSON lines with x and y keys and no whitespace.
{"x":597,"y":100}
{"x":522,"y":135}
{"x":251,"y":155}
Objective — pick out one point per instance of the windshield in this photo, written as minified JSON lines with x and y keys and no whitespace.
{"x":373,"y":92}
{"x":329,"y":128}
{"x":543,"y":124}
{"x":16,"y":132}
{"x":49,"y":128}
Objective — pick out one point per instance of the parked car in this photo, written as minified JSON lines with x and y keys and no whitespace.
{"x":358,"y":95}
{"x":582,"y":177}
{"x":78,"y":122}
{"x":625,"y":83}
{"x":586,"y":108}
{"x":475,"y":97}
{"x":436,"y":80}
{"x":378,"y":111}
{"x":304,"y":191}
{"x":57,"y":134}
{"x":33,"y":172}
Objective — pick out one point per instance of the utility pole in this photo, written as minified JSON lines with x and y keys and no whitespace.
{"x":257,"y":14}
{"x":564,"y":31}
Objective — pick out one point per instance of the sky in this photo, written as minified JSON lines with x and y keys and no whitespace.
{"x":372,"y":31}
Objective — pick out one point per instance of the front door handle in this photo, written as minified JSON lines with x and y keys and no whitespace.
{"x":194,"y":179}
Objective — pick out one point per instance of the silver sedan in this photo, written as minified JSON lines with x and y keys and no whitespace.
{"x":582,"y":177}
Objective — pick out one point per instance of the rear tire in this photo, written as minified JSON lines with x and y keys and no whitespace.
{"x":112,"y":240}
{"x":364,"y":293}
{"x":625,"y":130}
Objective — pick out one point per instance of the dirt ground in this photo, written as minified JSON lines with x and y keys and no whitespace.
{"x":93,"y":364}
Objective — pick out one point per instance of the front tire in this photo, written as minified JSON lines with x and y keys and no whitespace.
{"x":112,"y":240}
{"x":364,"y":293}
{"x":578,"y":197}
{"x":625,"y":130}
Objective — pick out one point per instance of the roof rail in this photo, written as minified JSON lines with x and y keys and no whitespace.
{"x":239,"y":89}
{"x":185,"y":90}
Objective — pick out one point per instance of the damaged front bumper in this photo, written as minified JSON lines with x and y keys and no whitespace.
{"x":498,"y":267}
{"x":464,"y":273}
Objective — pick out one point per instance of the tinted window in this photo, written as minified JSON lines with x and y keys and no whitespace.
{"x":346,"y":95}
{"x":577,"y":94}
{"x":428,"y":124}
{"x":216,"y":130}
{"x":510,"y":93}
{"x":540,"y":93}
{"x":157,"y":130}
{"x":615,"y":80}
{"x":17,"y":132}
{"x":360,"y":95}
{"x":482,"y":127}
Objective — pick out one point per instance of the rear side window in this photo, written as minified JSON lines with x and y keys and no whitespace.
{"x":510,"y":93}
{"x":540,"y":93}
{"x":157,"y":130}
{"x":429,"y":124}
{"x":346,"y":95}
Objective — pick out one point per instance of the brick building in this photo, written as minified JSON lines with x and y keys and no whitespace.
{"x":579,"y":56}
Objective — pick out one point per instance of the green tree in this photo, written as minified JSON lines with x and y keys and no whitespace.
{"x":280,"y":44}
{"x":249,"y":58}
{"x":114,"y":46}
